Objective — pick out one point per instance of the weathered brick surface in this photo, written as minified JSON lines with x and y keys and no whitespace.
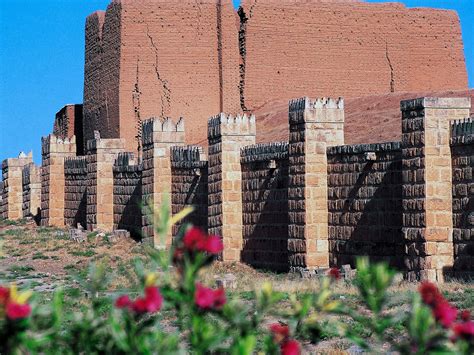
{"x":352,"y":48}
{"x":31,"y":181}
{"x":227,"y":135}
{"x":462,"y":151}
{"x":159,"y":58}
{"x":265,"y":205}
{"x":75,"y":191}
{"x":128,"y":194}
{"x":158,"y":137}
{"x":365,"y":203}
{"x":427,"y":184}
{"x":68,"y":123}
{"x":314,"y":125}
{"x":196,"y":58}
{"x":189,"y":185}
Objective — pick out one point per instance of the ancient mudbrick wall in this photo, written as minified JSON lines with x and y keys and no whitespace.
{"x":265,"y":205}
{"x":365,"y":203}
{"x":31,"y":177}
{"x":128,"y":194}
{"x":75,"y":191}
{"x":159,"y":58}
{"x":346,"y":48}
{"x":2,"y":200}
{"x":189,"y":185}
{"x":462,"y":151}
{"x":68,"y":123}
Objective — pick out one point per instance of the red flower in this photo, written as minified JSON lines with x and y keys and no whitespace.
{"x":335,"y":273}
{"x":123,"y":302}
{"x":466,"y":315}
{"x":207,"y":298}
{"x":212,"y":244}
{"x":430,"y":294}
{"x":290,"y":347}
{"x":17,"y":311}
{"x":464,"y":330}
{"x":280,"y":332}
{"x":196,"y":240}
{"x":445,"y":313}
{"x":151,"y":303}
{"x":4,"y":295}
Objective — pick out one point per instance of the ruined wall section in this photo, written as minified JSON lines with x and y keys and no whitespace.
{"x":102,"y":73}
{"x":75,"y":191}
{"x":265,"y":205}
{"x":128,"y":194}
{"x":365,"y":203}
{"x":462,"y":152}
{"x":189,"y":185}
{"x":159,"y":59}
{"x":68,"y":123}
{"x":350,"y":49}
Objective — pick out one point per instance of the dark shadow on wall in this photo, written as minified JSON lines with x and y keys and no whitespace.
{"x":371,"y":219}
{"x":265,"y":243}
{"x":80,"y":217}
{"x":131,"y":217}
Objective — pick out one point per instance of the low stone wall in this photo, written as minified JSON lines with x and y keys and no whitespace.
{"x":189,"y":185}
{"x":265,"y":205}
{"x":365,"y":203}
{"x":462,"y":151}
{"x":75,"y":197}
{"x":128,"y":194}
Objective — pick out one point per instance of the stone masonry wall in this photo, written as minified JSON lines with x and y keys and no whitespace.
{"x":365,"y":203}
{"x":68,"y":123}
{"x":265,"y":206}
{"x":75,"y":191}
{"x":128,"y":194}
{"x":189,"y":185}
{"x":32,"y":191}
{"x":462,"y":151}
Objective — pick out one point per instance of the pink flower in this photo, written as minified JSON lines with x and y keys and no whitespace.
{"x":123,"y":302}
{"x":445,"y":313}
{"x":290,"y":347}
{"x":207,"y":298}
{"x":153,"y":298}
{"x":17,"y":311}
{"x":334,"y":273}
{"x":196,"y":240}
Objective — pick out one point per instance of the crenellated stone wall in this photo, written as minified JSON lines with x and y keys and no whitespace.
{"x":462,"y":151}
{"x":75,"y":198}
{"x":365,"y":203}
{"x":158,"y":137}
{"x":227,"y":134}
{"x":308,"y":203}
{"x":265,"y":205}
{"x":189,"y":185}
{"x":128,"y":194}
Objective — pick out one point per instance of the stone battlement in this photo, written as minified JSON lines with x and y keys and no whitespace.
{"x":306,"y":203}
{"x":230,"y":125}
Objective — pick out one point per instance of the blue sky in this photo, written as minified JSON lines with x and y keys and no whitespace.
{"x":42,"y":62}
